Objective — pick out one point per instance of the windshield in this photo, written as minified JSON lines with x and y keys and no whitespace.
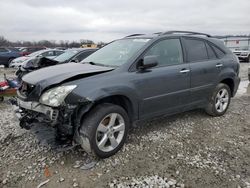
{"x":66,"y":55}
{"x":242,"y":48}
{"x":117,"y":52}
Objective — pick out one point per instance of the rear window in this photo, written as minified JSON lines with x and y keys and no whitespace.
{"x":196,"y":50}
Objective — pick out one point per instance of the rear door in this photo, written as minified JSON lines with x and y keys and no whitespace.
{"x":205,"y":68}
{"x":165,"y":88}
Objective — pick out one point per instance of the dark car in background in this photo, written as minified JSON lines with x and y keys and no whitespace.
{"x":28,"y":50}
{"x":74,"y":55}
{"x":139,"y":77}
{"x":7,"y":54}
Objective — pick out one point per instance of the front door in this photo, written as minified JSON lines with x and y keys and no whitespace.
{"x":166,"y":87}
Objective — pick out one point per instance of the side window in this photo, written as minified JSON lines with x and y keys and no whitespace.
{"x":49,"y":53}
{"x":210,"y":51}
{"x":219,"y":53}
{"x":25,"y":50}
{"x":167,"y":52}
{"x":32,"y":50}
{"x":196,"y":50}
{"x":83,"y":55}
{"x":57,"y":53}
{"x":3,"y":50}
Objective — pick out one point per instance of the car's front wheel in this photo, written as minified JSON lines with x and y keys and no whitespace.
{"x":219,"y":100}
{"x":106,"y":127}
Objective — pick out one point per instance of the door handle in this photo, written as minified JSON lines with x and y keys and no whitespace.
{"x":184,"y":71}
{"x":219,"y":65}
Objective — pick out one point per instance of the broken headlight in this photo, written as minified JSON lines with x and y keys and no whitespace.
{"x":55,"y":96}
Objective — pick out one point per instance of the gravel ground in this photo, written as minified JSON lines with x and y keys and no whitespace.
{"x":185,"y":150}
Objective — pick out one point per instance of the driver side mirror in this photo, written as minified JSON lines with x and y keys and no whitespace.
{"x":147,"y":62}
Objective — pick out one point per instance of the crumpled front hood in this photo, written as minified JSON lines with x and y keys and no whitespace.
{"x":46,"y":77}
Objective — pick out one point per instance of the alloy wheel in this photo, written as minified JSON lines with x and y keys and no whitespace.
{"x":110,"y":132}
{"x":222,"y":100}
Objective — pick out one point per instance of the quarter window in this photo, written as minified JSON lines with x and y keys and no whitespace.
{"x":219,"y":52}
{"x":196,"y":50}
{"x":167,"y":52}
{"x":210,"y":52}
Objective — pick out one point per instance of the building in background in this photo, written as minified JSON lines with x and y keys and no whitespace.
{"x":235,"y":42}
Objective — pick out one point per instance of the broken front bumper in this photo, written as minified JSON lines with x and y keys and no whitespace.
{"x":65,"y":120}
{"x":52,"y":114}
{"x":30,"y":112}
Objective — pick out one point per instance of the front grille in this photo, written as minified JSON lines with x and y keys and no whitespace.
{"x":25,"y":89}
{"x":237,"y":53}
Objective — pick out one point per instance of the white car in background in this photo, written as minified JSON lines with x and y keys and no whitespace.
{"x":243,"y":54}
{"x":49,"y":53}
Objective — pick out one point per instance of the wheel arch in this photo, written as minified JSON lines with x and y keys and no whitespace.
{"x":230,"y":83}
{"x":120,"y":100}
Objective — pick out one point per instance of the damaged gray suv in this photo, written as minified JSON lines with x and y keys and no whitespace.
{"x":94,"y":103}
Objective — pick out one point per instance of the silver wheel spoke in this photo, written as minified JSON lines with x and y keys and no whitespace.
{"x":223,"y":93}
{"x":221,"y":107}
{"x":119,"y":127}
{"x":113,"y":142}
{"x":102,"y":128}
{"x":225,"y":99}
{"x":112,"y":119}
{"x":217,"y":104}
{"x":103,"y":141}
{"x":218,"y":96}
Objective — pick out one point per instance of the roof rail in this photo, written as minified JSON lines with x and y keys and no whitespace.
{"x":137,"y":34}
{"x":187,"y":32}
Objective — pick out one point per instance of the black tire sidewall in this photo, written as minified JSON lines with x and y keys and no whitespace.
{"x":92,"y":120}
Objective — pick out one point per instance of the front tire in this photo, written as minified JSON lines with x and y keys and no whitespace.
{"x":106,"y":127}
{"x":219,"y":100}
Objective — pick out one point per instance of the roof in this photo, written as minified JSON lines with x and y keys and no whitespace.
{"x":169,"y":33}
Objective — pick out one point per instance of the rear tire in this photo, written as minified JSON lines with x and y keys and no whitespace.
{"x":219,"y":100}
{"x":106,"y":126}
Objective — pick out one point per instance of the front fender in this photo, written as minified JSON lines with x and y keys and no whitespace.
{"x":96,"y":94}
